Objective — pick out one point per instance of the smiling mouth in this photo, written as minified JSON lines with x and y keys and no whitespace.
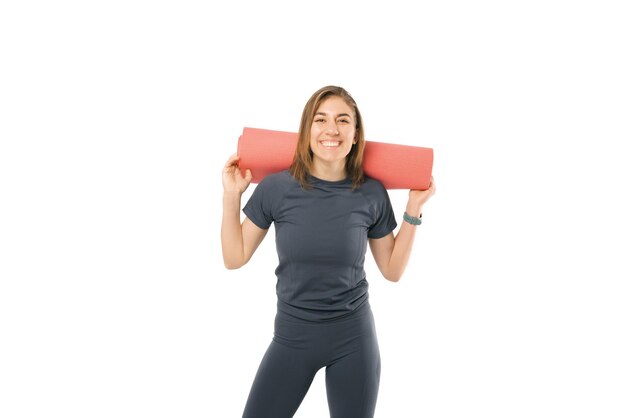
{"x":330,"y":144}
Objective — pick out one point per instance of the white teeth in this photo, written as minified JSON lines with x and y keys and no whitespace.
{"x":330,"y":143}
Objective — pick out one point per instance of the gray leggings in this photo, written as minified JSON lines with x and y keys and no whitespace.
{"x":347,"y":347}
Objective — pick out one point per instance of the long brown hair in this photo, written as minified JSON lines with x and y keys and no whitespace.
{"x":300,"y":168}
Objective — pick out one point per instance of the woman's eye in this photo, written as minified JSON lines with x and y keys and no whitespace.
{"x":343,"y":121}
{"x":319,"y":120}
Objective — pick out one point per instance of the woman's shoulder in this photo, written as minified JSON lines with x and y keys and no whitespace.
{"x":372,"y":185}
{"x":280,"y":179}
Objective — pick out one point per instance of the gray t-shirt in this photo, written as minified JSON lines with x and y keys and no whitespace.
{"x":321,"y":240}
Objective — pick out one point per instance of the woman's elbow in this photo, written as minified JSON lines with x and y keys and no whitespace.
{"x":233,"y":264}
{"x":393,"y":278}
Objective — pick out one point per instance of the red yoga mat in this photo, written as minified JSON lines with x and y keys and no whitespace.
{"x":396,"y":166}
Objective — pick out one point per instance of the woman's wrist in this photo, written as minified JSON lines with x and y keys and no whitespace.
{"x":413,"y":220}
{"x":230,"y":194}
{"x":414,"y":211}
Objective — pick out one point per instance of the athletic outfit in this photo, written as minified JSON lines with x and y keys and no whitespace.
{"x":323,"y":315}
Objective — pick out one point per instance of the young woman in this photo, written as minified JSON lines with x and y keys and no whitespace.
{"x":325,"y":210}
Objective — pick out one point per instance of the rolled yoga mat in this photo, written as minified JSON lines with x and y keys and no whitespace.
{"x":396,"y":166}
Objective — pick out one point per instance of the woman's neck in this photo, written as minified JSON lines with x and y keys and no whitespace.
{"x":329,"y":171}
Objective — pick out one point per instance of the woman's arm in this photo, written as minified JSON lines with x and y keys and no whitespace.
{"x":392,"y":253}
{"x":239,"y":241}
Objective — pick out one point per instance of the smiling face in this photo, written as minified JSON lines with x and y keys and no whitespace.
{"x":331,"y":140}
{"x":333,"y":131}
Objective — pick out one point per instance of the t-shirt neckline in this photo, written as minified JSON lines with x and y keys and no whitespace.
{"x":329,"y":182}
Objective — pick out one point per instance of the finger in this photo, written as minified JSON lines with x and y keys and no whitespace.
{"x":248,"y":175}
{"x":232,"y":160}
{"x":230,"y":168}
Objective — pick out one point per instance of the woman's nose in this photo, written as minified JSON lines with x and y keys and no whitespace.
{"x":332,"y":129}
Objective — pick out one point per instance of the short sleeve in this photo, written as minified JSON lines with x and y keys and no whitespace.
{"x":385,"y":220}
{"x":259,"y":208}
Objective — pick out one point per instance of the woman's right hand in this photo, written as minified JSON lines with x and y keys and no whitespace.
{"x":231,"y":176}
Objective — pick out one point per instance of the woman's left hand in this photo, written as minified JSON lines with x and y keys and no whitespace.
{"x":417,"y":198}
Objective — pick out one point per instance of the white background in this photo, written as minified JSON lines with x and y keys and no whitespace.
{"x":117,"y":117}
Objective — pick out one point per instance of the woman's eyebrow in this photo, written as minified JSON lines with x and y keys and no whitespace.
{"x":339,"y":115}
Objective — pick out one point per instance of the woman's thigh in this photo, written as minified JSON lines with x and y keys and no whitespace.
{"x":353,"y":377}
{"x":282,"y":380}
